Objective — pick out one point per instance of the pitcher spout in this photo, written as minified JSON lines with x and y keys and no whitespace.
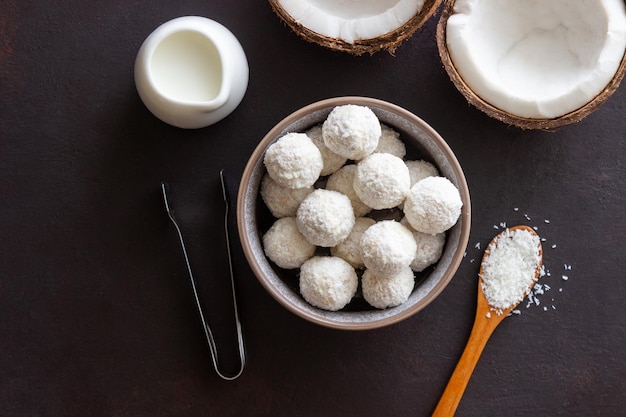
{"x":219,"y":100}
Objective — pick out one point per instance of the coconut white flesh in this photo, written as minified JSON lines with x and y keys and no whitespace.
{"x":537,"y":58}
{"x":351,"y":20}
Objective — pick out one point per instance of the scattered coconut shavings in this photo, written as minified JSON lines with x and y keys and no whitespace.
{"x":542,"y":290}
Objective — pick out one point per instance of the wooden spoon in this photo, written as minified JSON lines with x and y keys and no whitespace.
{"x":485,"y":323}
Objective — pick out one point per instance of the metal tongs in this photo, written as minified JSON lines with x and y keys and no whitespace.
{"x":207,"y":329}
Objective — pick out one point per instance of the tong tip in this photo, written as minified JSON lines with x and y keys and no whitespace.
{"x":164,"y":190}
{"x":223,"y":182}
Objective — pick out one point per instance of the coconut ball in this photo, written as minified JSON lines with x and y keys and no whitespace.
{"x":325,"y":217}
{"x":343,"y":182}
{"x":351,"y":131}
{"x":384,"y":291}
{"x":294,"y":161}
{"x":328,"y":282}
{"x":285,"y":245}
{"x":350,"y":249}
{"x":418,"y":170}
{"x":390,"y":142}
{"x":387,"y":247}
{"x":429,"y":248}
{"x":433,"y":205}
{"x":282,"y":201}
{"x":332,"y":161}
{"x":382,"y":181}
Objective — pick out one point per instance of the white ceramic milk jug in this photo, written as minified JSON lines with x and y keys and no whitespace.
{"x":191,"y":72}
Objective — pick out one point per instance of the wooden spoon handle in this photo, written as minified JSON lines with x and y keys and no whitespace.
{"x":481,"y":331}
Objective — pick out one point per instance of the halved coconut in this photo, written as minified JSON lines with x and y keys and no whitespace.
{"x":355,"y":26}
{"x":534,"y":64}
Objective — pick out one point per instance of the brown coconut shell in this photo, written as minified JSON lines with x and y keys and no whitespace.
{"x":508,"y":118}
{"x":389,"y":41}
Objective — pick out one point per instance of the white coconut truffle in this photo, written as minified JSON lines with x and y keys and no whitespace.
{"x":294,"y":161}
{"x":429,"y":248}
{"x":351,"y":131}
{"x":350,"y":249}
{"x":285,"y":245}
{"x":328,"y":282}
{"x":383,"y":291}
{"x":390,"y":142}
{"x":382,"y":181}
{"x":280,"y":200}
{"x":433,"y":205}
{"x":325,"y":217}
{"x":387,"y":247}
{"x":420,"y":169}
{"x":343,"y":182}
{"x":332,"y":161}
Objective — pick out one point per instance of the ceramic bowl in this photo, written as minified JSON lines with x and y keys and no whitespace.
{"x":254,"y":219}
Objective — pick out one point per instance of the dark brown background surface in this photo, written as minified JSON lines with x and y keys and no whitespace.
{"x":96,"y":312}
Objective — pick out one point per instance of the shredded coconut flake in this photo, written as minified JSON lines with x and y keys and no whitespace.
{"x":509,"y":270}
